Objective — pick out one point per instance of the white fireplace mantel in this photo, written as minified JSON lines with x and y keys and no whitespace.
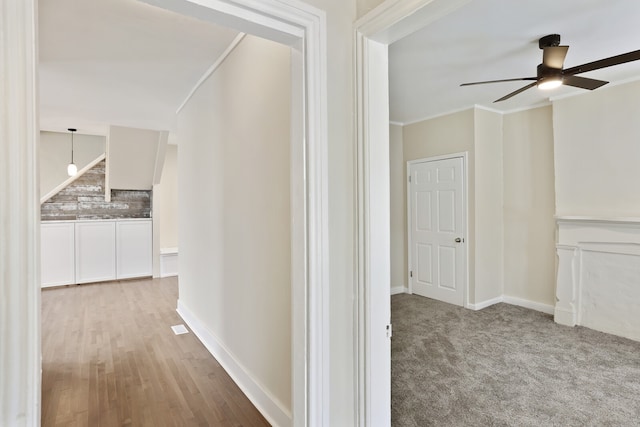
{"x":598,"y":283}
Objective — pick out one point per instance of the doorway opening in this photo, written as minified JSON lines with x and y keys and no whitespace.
{"x":301,"y":27}
{"x":374,"y":33}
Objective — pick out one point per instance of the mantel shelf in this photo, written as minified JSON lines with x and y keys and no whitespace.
{"x":598,"y":219}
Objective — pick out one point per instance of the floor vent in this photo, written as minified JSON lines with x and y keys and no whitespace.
{"x":179,"y":329}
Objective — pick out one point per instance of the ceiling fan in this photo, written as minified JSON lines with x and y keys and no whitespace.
{"x":551,"y":73}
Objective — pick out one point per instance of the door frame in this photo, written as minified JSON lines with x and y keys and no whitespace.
{"x":465,"y":217}
{"x":373,"y":33}
{"x":291,"y":22}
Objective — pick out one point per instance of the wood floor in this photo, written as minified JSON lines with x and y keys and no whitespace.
{"x":110,"y":358}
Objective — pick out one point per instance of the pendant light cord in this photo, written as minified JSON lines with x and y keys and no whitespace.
{"x":72,"y":132}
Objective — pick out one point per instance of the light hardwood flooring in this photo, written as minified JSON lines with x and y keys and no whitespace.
{"x":110,"y":358}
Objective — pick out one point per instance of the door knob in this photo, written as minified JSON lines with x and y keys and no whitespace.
{"x":458,"y":240}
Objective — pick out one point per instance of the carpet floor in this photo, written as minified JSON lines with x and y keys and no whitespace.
{"x":506,"y":366}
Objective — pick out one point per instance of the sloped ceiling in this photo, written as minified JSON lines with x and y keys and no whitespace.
{"x":497,"y":39}
{"x":119,"y":62}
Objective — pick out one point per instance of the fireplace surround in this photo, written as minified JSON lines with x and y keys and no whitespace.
{"x":598,"y":281}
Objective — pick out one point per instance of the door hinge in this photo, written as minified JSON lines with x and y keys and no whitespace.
{"x":411,"y":274}
{"x":409,"y":178}
{"x":389,"y":331}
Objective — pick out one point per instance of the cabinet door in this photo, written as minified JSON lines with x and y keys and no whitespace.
{"x":134,"y":248}
{"x":57,"y":255}
{"x":95,"y":251}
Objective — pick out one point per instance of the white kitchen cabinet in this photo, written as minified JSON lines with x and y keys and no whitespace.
{"x":57,"y":258}
{"x":95,"y":251}
{"x":74,"y":252}
{"x":134,"y":248}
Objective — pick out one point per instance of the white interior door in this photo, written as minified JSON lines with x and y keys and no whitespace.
{"x":437,"y":207}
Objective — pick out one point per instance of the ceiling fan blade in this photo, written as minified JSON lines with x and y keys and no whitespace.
{"x":553,"y":56}
{"x":499,"y":81}
{"x":603,"y":63}
{"x":514,"y":93}
{"x":583,"y":82}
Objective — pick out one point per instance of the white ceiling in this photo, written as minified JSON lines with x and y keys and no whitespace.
{"x":497,"y":39}
{"x":127,"y":63}
{"x":119,"y":62}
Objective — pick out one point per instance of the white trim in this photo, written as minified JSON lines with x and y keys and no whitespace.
{"x":520,"y":302}
{"x":475,"y":106}
{"x":581,"y":219}
{"x":528,"y":107}
{"x":20,"y":334}
{"x":169,"y":262}
{"x":391,"y":122}
{"x":234,"y":43}
{"x":373,"y":227}
{"x":395,"y":19}
{"x":71,"y":179}
{"x":435,"y":116}
{"x":485,"y":304}
{"x":395,"y":290}
{"x":532,"y":305}
{"x":273,"y":410}
{"x":492,"y":110}
{"x":465,"y":214}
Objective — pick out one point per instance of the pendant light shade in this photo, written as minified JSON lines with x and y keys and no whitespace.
{"x":72,"y":169}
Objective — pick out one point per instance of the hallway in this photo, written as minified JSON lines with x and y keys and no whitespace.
{"x":110,"y":358}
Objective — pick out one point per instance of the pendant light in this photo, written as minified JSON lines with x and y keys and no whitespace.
{"x":72,"y":169}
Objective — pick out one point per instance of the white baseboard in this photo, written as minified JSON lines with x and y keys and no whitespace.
{"x":532,"y":305}
{"x":267,"y":404}
{"x":168,"y":262}
{"x":564,"y":317}
{"x":537,"y":306}
{"x":485,"y":304}
{"x":399,"y":290}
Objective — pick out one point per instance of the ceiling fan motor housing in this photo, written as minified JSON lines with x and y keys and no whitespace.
{"x":549,"y":41}
{"x":547,"y":73}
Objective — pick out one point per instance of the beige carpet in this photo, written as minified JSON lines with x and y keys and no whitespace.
{"x":507,"y":366}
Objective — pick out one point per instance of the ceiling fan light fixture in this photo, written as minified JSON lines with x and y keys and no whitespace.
{"x":550,"y":83}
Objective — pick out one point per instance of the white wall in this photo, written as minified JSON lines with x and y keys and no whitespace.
{"x":340,"y":15}
{"x":488,"y":237}
{"x":596,"y":152}
{"x":529,"y":206}
{"x":166,"y":208}
{"x":234,"y":219}
{"x":398,"y":214}
{"x":55,"y":155}
{"x":132,"y":157}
